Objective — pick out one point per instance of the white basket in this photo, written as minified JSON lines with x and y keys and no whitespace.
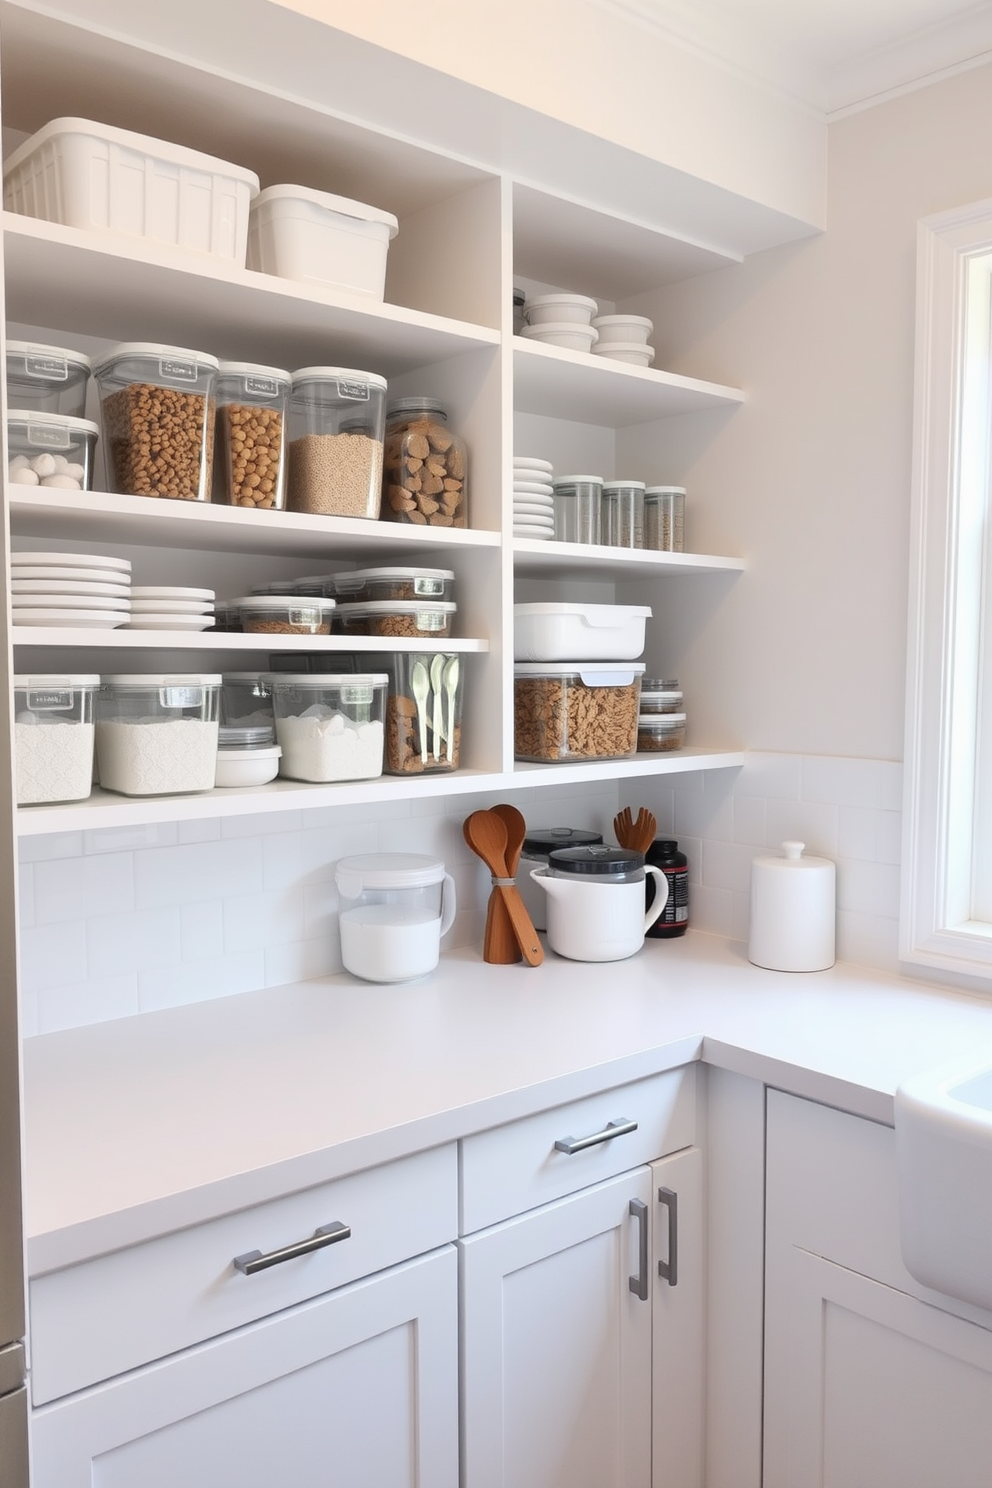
{"x":297,"y":233}
{"x":561,"y":632}
{"x":89,"y":175}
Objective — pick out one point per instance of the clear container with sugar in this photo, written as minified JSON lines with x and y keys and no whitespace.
{"x":329,"y":725}
{"x":53,"y":737}
{"x":156,"y":735}
{"x":394,"y":909}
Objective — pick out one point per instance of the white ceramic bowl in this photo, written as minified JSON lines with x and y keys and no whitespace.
{"x":634,"y":329}
{"x":247,"y":766}
{"x":626,"y":351}
{"x":558,"y":308}
{"x":562,"y":333}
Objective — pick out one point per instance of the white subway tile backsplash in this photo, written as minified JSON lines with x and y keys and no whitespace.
{"x":857,"y":832}
{"x":102,"y":998}
{"x":293,"y":859}
{"x":49,"y":846}
{"x":771,"y":776}
{"x":254,"y":921}
{"x":75,"y":888}
{"x":128,"y":839}
{"x":201,"y":929}
{"x":888,"y":839}
{"x":751,"y":820}
{"x":811,"y":822}
{"x":841,"y":782}
{"x":868,"y":940}
{"x":303,"y":961}
{"x":869,"y":888}
{"x":712,"y":910}
{"x":263,"y":825}
{"x":53,"y":960}
{"x":132,"y":942}
{"x":890,"y":783}
{"x":177,"y":875}
{"x":25,"y":894}
{"x":199,"y":981}
{"x":198,"y":831}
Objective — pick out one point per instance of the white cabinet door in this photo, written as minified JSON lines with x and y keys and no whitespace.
{"x":678,"y":1320}
{"x":556,"y":1361}
{"x":358,"y":1387}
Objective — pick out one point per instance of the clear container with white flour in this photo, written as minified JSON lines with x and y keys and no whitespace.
{"x":394,"y":909}
{"x":156,"y":735}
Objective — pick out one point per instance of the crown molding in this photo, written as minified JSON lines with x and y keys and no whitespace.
{"x":915,"y":61}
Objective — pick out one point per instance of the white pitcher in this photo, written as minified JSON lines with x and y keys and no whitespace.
{"x":599,"y":916}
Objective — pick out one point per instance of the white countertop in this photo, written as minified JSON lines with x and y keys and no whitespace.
{"x":148,"y":1124}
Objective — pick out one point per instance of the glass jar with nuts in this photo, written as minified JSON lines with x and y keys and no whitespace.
{"x":250,"y":442}
{"x":425,"y":474}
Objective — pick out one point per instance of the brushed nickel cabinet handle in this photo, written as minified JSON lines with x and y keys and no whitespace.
{"x":613,"y":1129}
{"x":254,"y":1260}
{"x":639,"y":1284}
{"x":669,"y":1270}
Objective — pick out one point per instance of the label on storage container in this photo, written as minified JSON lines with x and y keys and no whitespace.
{"x":181,"y":697}
{"x":177,"y":371}
{"x":49,"y":436}
{"x":43,"y":364}
{"x":49,"y":700}
{"x":357,"y":392}
{"x":263,"y":387}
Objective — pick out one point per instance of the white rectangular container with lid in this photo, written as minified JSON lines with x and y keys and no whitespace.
{"x":93,"y":176}
{"x":561,"y":632}
{"x":156,"y":735}
{"x":314,"y":236}
{"x":53,"y":737}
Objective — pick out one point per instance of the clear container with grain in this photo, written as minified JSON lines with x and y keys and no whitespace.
{"x":664,"y":519}
{"x":272,"y":614}
{"x":431,"y":619}
{"x":336,"y":425}
{"x":657,"y":732}
{"x":330,"y":726}
{"x":575,"y":710}
{"x":423,"y":710}
{"x":425,"y":479}
{"x":49,"y":449}
{"x":47,"y":379}
{"x":623,"y":514}
{"x":157,"y":405}
{"x":250,"y":438}
{"x":391,"y":583}
{"x":156,"y":734}
{"x":53,"y":737}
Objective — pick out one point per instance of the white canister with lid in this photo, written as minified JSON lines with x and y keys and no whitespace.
{"x":394,"y":909}
{"x":793,"y":911}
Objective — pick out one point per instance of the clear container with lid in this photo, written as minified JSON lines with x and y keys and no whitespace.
{"x":250,"y":438}
{"x":336,"y":425}
{"x":428,"y":618}
{"x":578,"y":502}
{"x":47,"y":379}
{"x":623,"y":514}
{"x":330,"y":725}
{"x":658,"y":732}
{"x":156,"y":734}
{"x":53,"y":737}
{"x":575,"y":710}
{"x":664,"y":519}
{"x":271,"y":614}
{"x":425,"y":477}
{"x":423,"y":710}
{"x":50,"y":449}
{"x":276,"y":586}
{"x":157,"y":404}
{"x":391,"y":583}
{"x":227,"y":617}
{"x":660,"y":699}
{"x":246,"y":701}
{"x":246,"y":756}
{"x":394,"y":909}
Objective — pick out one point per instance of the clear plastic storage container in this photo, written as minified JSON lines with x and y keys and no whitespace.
{"x":156,"y":735}
{"x":423,"y":710}
{"x":391,"y":583}
{"x":313,"y":236}
{"x":578,"y":503}
{"x":657,"y":732}
{"x":330,"y":726}
{"x":48,"y":379}
{"x":336,"y":425}
{"x":246,"y":701}
{"x":251,"y":435}
{"x":246,"y":756}
{"x":575,"y":710}
{"x":53,"y":737}
{"x":623,"y":514}
{"x":656,"y":698}
{"x":430,"y":619}
{"x":394,"y":909}
{"x":48,"y":449}
{"x":664,"y":519}
{"x":425,"y":480}
{"x":271,"y":614}
{"x":157,"y":405}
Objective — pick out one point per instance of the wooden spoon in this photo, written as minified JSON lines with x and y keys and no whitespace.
{"x":486,"y":835}
{"x":499,"y":931}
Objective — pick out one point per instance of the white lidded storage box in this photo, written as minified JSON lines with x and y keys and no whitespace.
{"x":298,"y":233}
{"x":562,"y":632}
{"x":89,"y":175}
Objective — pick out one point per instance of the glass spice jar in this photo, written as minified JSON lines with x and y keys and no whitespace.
{"x":425,"y":469}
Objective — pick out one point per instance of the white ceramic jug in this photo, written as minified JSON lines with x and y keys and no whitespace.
{"x":599,"y":917}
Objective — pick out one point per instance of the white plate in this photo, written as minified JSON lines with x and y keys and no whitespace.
{"x":528,"y":462}
{"x":72,"y":619}
{"x":69,"y":586}
{"x":170,"y":622}
{"x":539,"y":503}
{"x":67,"y":602}
{"x":522,"y":516}
{"x":535,"y":527}
{"x":73,"y":575}
{"x":533,"y":488}
{"x":73,"y":560}
{"x":164,"y":591}
{"x":171,"y":607}
{"x":534,"y":534}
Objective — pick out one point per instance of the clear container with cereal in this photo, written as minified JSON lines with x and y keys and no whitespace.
{"x":157,"y":405}
{"x":50,"y":449}
{"x":273,"y":614}
{"x":425,"y":479}
{"x":251,"y":435}
{"x":329,"y":725}
{"x":156,"y":735}
{"x":246,"y":701}
{"x":578,"y":507}
{"x":575,"y":710}
{"x":423,"y":710}
{"x":658,"y":732}
{"x":430,"y":619}
{"x":53,"y":737}
{"x":336,"y":426}
{"x":391,"y":583}
{"x":664,"y":519}
{"x":623,"y":514}
{"x":47,"y":379}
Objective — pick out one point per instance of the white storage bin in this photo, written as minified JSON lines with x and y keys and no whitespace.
{"x":297,"y":233}
{"x":90,"y":175}
{"x":561,"y":632}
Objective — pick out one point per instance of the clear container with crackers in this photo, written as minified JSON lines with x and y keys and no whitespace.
{"x":250,"y":444}
{"x":425,"y":470}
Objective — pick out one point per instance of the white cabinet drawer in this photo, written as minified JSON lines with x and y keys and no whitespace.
{"x":95,"y":1320}
{"x":516,"y":1167}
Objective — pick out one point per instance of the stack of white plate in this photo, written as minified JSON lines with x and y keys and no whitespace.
{"x":71,"y":589}
{"x":533,"y":498}
{"x":164,"y":607}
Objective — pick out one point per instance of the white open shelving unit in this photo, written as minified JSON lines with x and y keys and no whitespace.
{"x":467,"y":230}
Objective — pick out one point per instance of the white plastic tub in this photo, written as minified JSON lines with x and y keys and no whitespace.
{"x":90,"y":175}
{"x":297,"y":233}
{"x":575,"y":308}
{"x":631,"y":352}
{"x":631,"y":328}
{"x":562,"y":632}
{"x":563,"y":333}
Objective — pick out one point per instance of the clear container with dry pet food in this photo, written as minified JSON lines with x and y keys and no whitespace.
{"x":657,"y":732}
{"x":425,"y":480}
{"x":623,"y":514}
{"x":391,"y":583}
{"x":428,"y":618}
{"x":156,"y":735}
{"x":48,"y":379}
{"x":336,"y":425}
{"x":53,"y":737}
{"x":423,"y":710}
{"x":246,"y":701}
{"x":251,"y":435}
{"x":664,"y":519}
{"x":158,"y":404}
{"x":47,"y":449}
{"x":274,"y":614}
{"x":575,"y":710}
{"x":329,"y":726}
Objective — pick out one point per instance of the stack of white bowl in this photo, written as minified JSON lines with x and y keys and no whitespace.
{"x":164,"y":607}
{"x":624,"y":338}
{"x":71,"y":589}
{"x":562,"y":320}
{"x":533,"y":498}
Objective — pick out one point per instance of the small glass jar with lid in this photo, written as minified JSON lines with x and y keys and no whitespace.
{"x":251,"y":435}
{"x":623,"y":514}
{"x":578,"y":508}
{"x":425,"y":478}
{"x":336,"y":424}
{"x":664,"y":519}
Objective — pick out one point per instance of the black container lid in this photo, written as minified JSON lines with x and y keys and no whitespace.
{"x":597,"y":861}
{"x":543,"y":840}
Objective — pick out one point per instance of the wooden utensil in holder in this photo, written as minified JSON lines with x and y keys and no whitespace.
{"x":636,"y":835}
{"x":497,"y":837}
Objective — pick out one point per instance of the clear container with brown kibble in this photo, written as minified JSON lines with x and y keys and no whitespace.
{"x":659,"y":732}
{"x":157,"y":404}
{"x":358,"y":584}
{"x":336,"y":422}
{"x":250,"y":440}
{"x":425,"y":469}
{"x":429,"y":618}
{"x":272,"y":614}
{"x":575,"y":710}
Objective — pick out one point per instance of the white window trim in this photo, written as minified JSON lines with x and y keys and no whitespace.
{"x":949,"y":511}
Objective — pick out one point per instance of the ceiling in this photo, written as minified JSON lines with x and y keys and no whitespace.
{"x":834,"y":55}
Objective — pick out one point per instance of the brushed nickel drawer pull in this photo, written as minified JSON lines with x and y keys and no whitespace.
{"x":254,"y":1260}
{"x":612,"y":1129}
{"x":669,"y":1270}
{"x":639,"y":1284}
